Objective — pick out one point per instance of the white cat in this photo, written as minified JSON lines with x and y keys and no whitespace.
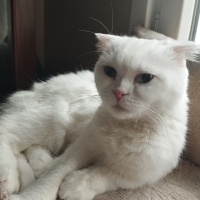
{"x":131,"y":137}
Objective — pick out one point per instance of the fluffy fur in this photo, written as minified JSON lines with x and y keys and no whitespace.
{"x":124,"y":142}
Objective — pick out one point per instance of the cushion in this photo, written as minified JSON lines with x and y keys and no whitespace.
{"x":193,"y":142}
{"x":182,"y":184}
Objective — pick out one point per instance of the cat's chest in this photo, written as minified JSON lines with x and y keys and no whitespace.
{"x":128,"y":140}
{"x":128,"y":151}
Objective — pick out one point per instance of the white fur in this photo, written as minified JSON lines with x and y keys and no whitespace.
{"x":124,"y":144}
{"x":47,"y":115}
{"x":38,"y":158}
{"x":26,"y":175}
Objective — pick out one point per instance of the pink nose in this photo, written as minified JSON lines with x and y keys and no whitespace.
{"x":118,"y":94}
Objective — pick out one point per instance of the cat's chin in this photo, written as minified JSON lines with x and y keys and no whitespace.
{"x":121,"y":113}
{"x":119,"y":108}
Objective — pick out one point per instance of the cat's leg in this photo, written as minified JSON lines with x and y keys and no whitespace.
{"x":75,"y":157}
{"x":86,"y":183}
{"x":26,"y":175}
{"x":9,"y":176}
{"x":3,"y":194}
{"x":46,"y":187}
{"x":38,"y":158}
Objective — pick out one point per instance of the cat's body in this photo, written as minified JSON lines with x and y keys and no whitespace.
{"x":131,"y":137}
{"x":47,"y":116}
{"x":48,"y":109}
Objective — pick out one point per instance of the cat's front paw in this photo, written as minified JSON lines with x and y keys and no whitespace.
{"x":39,"y":165}
{"x":9,"y":179}
{"x":39,"y":159}
{"x":76,"y":187}
{"x":3,"y":194}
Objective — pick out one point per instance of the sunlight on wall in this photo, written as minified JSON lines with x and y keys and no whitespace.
{"x":197,"y":37}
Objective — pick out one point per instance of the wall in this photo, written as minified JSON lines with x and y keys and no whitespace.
{"x":39,"y":16}
{"x":176,"y":18}
{"x":64,"y":43}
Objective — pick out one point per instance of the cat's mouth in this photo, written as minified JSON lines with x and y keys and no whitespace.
{"x":119,"y":108}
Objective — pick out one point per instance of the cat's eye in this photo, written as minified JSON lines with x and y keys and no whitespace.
{"x":110,"y":72}
{"x":144,"y":78}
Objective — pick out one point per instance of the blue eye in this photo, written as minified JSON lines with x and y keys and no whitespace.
{"x":144,"y":78}
{"x":110,"y":72}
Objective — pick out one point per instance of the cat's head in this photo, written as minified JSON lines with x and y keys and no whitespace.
{"x":136,"y":76}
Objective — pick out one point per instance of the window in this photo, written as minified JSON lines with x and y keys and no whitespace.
{"x":195,"y":29}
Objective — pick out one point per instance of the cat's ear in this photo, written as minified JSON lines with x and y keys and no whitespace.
{"x":186,"y":51}
{"x":103,"y":40}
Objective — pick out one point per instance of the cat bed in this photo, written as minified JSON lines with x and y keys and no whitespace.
{"x":183,"y":183}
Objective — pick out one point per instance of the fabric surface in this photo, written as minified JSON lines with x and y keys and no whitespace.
{"x":193,"y":144}
{"x":182,"y":184}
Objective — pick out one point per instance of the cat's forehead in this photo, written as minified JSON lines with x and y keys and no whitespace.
{"x":134,"y":55}
{"x":131,"y":46}
{"x":128,"y":48}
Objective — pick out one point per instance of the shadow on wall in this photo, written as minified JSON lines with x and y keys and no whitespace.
{"x":64,"y":43}
{"x":7,"y":80}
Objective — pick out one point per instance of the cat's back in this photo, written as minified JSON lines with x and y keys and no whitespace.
{"x":65,"y":88}
{"x":67,"y":85}
{"x":55,"y":106}
{"x":71,"y":96}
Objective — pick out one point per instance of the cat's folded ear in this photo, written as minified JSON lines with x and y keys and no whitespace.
{"x":104,"y":40}
{"x":186,"y":51}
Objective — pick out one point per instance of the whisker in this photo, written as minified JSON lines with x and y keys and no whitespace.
{"x":139,"y":116}
{"x":151,"y":116}
{"x":156,"y":117}
{"x":100,"y":23}
{"x":85,"y":99}
{"x":86,"y":31}
{"x":80,"y":98}
{"x":86,"y":54}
